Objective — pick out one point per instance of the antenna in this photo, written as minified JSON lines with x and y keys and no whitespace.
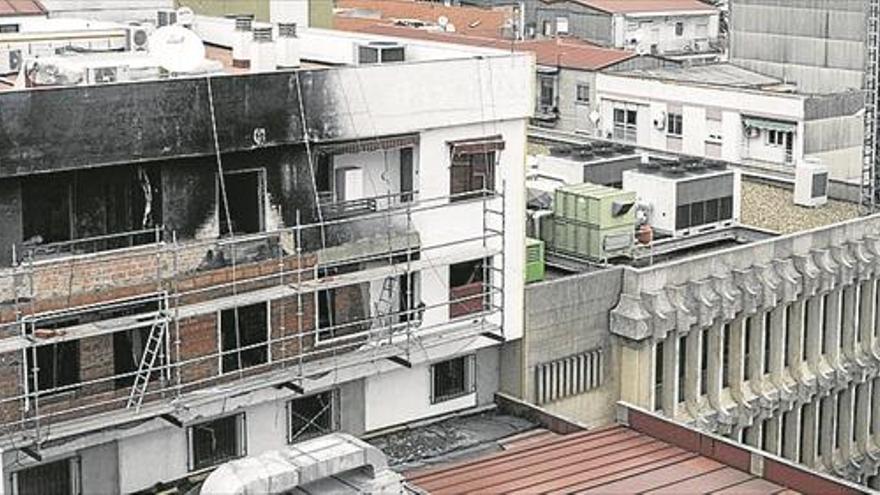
{"x":177,"y":49}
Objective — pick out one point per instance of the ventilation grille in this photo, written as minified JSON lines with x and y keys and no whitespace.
{"x":569,"y":376}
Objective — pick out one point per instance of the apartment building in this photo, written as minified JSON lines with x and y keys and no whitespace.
{"x":726,"y":112}
{"x":201,"y":268}
{"x":685,"y":29}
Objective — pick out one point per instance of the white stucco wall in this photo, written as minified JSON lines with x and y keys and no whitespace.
{"x":658,"y":28}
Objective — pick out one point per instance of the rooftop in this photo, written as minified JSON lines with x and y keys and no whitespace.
{"x":643,"y":453}
{"x":722,"y":74}
{"x":471,"y":21}
{"x":21,"y":7}
{"x":568,"y":53}
{"x":646,"y":6}
{"x":771,"y":207}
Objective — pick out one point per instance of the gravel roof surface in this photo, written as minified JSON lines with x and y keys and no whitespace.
{"x":772,"y":208}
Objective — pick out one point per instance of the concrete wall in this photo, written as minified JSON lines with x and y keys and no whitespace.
{"x":818,"y":44}
{"x":566,"y":317}
{"x":655,"y":33}
{"x":583,"y":22}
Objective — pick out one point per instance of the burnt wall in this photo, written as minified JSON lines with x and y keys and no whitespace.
{"x":67,"y":128}
{"x":10,"y":218}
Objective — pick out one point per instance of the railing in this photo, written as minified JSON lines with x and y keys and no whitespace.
{"x":89,"y":245}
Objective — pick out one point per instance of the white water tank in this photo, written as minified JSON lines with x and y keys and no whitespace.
{"x":287,"y":46}
{"x":810,"y":183}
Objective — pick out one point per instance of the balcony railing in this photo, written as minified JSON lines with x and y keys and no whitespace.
{"x":37,"y":251}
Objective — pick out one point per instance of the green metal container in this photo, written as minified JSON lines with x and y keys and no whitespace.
{"x":583,"y":240}
{"x":534,"y":260}
{"x":599,"y":206}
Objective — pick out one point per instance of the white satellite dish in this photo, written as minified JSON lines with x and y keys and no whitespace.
{"x":177,"y":49}
{"x":185,"y":16}
{"x":594,"y":117}
{"x":442,"y":21}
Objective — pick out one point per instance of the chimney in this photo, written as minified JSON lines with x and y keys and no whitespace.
{"x":241,"y":41}
{"x":262,"y":50}
{"x":287,"y":47}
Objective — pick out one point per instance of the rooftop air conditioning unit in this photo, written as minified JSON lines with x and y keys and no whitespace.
{"x":137,"y":39}
{"x":166,"y":17}
{"x":810,"y":183}
{"x":380,"y":52}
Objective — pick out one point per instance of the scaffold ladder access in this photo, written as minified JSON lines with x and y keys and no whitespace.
{"x":152,"y":349}
{"x":870,"y":179}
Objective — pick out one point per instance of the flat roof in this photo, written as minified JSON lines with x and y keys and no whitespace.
{"x":721,"y":74}
{"x":772,"y":208}
{"x":646,"y":6}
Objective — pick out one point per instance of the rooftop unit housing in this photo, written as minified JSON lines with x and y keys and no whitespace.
{"x":380,"y":52}
{"x":686,"y":197}
{"x":593,"y":222}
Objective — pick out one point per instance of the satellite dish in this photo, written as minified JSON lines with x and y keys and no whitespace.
{"x":442,"y":21}
{"x":450,"y":27}
{"x":594,"y":117}
{"x":185,"y":15}
{"x":177,"y":49}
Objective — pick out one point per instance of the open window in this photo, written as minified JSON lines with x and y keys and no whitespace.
{"x":128,"y":351}
{"x":217,"y":441}
{"x":244,"y":332}
{"x":311,"y":416}
{"x":57,"y":477}
{"x":468,"y":290}
{"x":452,"y":379}
{"x":245,"y":193}
{"x":57,"y":366}
{"x":472,"y":171}
{"x":341,"y":311}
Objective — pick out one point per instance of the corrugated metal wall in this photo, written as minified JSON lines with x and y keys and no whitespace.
{"x":817,"y":43}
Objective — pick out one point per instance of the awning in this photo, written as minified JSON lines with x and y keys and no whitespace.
{"x":770,"y":125}
{"x":368,"y":144}
{"x":479,"y":145}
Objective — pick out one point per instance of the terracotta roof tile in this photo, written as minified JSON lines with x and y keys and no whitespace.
{"x":473,"y":21}
{"x":568,"y":52}
{"x":21,"y":7}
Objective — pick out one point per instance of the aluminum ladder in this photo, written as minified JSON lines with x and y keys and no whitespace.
{"x":385,"y":305}
{"x":868,"y":199}
{"x":148,"y":360}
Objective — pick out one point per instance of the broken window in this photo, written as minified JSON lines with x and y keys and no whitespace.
{"x":468,"y":292}
{"x":53,"y":477}
{"x":57,"y":366}
{"x":244,"y":197}
{"x":217,"y":441}
{"x":341,"y":310}
{"x":119,"y":202}
{"x":472,"y":172}
{"x":451,"y":379}
{"x":244,"y":331}
{"x":311,"y":416}
{"x":128,"y":350}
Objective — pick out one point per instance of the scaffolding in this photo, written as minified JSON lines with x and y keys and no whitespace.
{"x":870,"y":173}
{"x":171,"y":286}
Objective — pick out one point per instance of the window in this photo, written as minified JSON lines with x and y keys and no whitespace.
{"x":562,"y":25}
{"x":244,"y":331}
{"x":128,"y":349}
{"x":725,"y":356}
{"x":679,"y":29}
{"x":547,"y":28}
{"x":217,"y":441}
{"x":341,"y":310}
{"x":704,"y":362}
{"x":471,"y":173}
{"x":9,"y":28}
{"x":625,"y":124}
{"x":451,"y":379}
{"x":747,"y":348}
{"x":658,"y":376}
{"x":583,"y":93}
{"x":407,"y":175}
{"x":673,"y":124}
{"x":548,"y":93}
{"x":58,"y":366}
{"x":58,"y":477}
{"x":682,"y":362}
{"x":777,"y":138}
{"x":311,"y":416}
{"x":244,"y":198}
{"x":468,"y":292}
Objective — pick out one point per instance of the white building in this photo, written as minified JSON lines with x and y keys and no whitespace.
{"x":374,"y":274}
{"x":685,"y":29}
{"x":725,"y":112}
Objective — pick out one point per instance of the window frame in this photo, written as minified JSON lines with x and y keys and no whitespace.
{"x":231,"y":352}
{"x":674,"y":124}
{"x":294,"y":437}
{"x":679,"y":29}
{"x":627,"y":128}
{"x":74,"y":466}
{"x":470,"y":192}
{"x":469,"y":376}
{"x":579,"y":95}
{"x":240,"y":438}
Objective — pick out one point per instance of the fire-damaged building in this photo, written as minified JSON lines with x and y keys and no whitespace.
{"x":196,"y":269}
